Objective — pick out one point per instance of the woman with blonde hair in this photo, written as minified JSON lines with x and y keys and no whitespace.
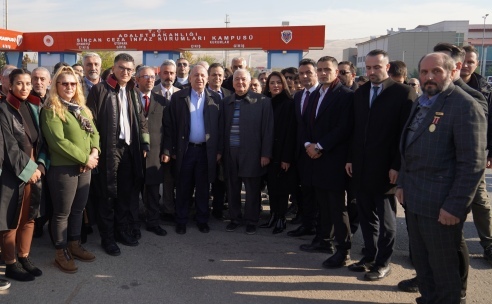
{"x":73,"y":143}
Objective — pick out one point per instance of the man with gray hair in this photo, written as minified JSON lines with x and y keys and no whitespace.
{"x":236,"y":64}
{"x":92,"y":71}
{"x":248,"y":144}
{"x":167,"y":75}
{"x":41,"y":80}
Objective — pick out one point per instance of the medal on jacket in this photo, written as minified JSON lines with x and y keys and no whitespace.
{"x":434,"y":123}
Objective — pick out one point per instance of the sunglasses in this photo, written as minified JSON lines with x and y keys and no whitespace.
{"x":66,"y":84}
{"x":289,"y":77}
{"x":343,"y":73}
{"x":182,"y":64}
{"x":412,"y":84}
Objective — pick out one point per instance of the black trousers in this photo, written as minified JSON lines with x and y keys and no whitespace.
{"x":218,"y":192}
{"x":352,"y":209}
{"x":377,"y":214}
{"x":333,"y":214}
{"x":119,"y":213}
{"x":193,"y":174}
{"x":70,"y":190}
{"x":308,"y":207}
{"x":434,"y":255}
{"x":279,"y":204}
{"x":253,"y":194}
{"x":151,"y":198}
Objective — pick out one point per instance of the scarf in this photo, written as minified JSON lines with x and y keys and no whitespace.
{"x":76,"y":111}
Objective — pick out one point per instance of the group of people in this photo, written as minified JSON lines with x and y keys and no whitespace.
{"x":345,"y":152}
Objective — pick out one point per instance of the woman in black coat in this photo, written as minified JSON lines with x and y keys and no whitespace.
{"x":20,"y":182}
{"x":281,"y":173}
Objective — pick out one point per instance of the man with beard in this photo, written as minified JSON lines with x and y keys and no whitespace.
{"x":443,"y":158}
{"x":41,"y":80}
{"x":167,"y":75}
{"x":347,"y":73}
{"x":92,"y":71}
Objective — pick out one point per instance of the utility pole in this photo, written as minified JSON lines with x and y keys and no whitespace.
{"x":484,"y":59}
{"x":227,"y":21}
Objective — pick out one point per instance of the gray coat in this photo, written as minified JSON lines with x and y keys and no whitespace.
{"x":256,"y":133}
{"x":442,"y":169}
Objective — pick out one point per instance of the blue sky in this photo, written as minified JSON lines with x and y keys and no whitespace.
{"x":343,"y":19}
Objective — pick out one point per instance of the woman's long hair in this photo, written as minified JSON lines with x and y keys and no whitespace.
{"x":54,"y":102}
{"x":285,"y":89}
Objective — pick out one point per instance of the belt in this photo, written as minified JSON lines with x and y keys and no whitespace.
{"x":196,"y":144}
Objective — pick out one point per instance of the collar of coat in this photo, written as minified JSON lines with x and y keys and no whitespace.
{"x":16,"y":102}
{"x":113,"y":82}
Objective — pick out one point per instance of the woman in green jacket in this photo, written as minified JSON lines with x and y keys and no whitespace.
{"x":73,"y":143}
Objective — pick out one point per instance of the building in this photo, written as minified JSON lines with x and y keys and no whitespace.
{"x":478,"y":35}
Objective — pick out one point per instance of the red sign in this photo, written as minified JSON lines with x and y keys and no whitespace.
{"x":266,"y":38}
{"x":10,"y":40}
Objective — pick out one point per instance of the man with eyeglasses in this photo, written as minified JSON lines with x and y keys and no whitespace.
{"x":125,"y":141}
{"x":92,"y":70}
{"x":347,"y":73}
{"x":167,"y":87}
{"x":415,"y":84}
{"x":236,"y":64}
{"x":182,"y":72}
{"x":153,"y":105}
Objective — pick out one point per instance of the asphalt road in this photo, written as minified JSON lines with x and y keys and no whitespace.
{"x":227,"y":267}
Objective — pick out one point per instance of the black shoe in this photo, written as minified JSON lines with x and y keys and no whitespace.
{"x":318,"y":246}
{"x":302,"y":230}
{"x":203,"y":227}
{"x":110,"y":247}
{"x":409,"y":285}
{"x":125,"y":238}
{"x":270,"y":223}
{"x":296,"y":220}
{"x":487,"y":254}
{"x":136,"y":233}
{"x":168,"y":217}
{"x":232,"y":226}
{"x":377,"y":273}
{"x":29,"y":266}
{"x":4,"y":284}
{"x":16,"y":272}
{"x":361,"y":266}
{"x":250,"y":229}
{"x":180,"y":228}
{"x":280,"y":225}
{"x":157,"y":230}
{"x":339,"y":259}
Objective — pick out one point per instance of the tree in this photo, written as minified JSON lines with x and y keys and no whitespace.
{"x":25,"y":61}
{"x":107,"y":58}
{"x":2,"y":59}
{"x":188,"y":56}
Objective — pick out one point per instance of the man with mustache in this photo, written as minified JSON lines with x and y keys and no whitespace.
{"x":443,"y":159}
{"x":92,"y":71}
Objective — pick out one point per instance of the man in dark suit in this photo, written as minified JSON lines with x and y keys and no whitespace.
{"x":167,"y":75}
{"x":328,"y":124}
{"x":381,"y":107}
{"x":248,"y":142}
{"x":443,"y":158}
{"x":195,"y":140}
{"x":153,"y":106}
{"x":215,"y":80}
{"x":306,"y":211}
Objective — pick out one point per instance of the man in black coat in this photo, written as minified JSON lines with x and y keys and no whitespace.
{"x":122,"y":126}
{"x":154,"y":106}
{"x":381,"y":108}
{"x":248,"y":141}
{"x":194,"y":137}
{"x":328,"y":124}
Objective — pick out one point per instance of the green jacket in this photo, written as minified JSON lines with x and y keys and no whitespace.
{"x":67,"y":142}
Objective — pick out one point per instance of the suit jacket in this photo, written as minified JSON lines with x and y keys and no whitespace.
{"x":376,"y":135}
{"x":224,"y":91}
{"x":331,"y":129}
{"x":300,"y":122}
{"x":155,"y":122}
{"x":157,"y":90}
{"x":442,"y":169}
{"x":177,"y":131}
{"x":256,"y":132}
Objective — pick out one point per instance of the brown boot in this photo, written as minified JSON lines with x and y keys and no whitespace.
{"x":79,"y":252}
{"x":64,"y":261}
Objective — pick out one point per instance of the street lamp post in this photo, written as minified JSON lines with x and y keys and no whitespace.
{"x":483,"y":61}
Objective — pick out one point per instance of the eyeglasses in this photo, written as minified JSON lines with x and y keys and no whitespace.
{"x":343,"y":73}
{"x":126,"y":70}
{"x":66,"y":84}
{"x":182,"y":64}
{"x":147,"y":77}
{"x":412,"y":84}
